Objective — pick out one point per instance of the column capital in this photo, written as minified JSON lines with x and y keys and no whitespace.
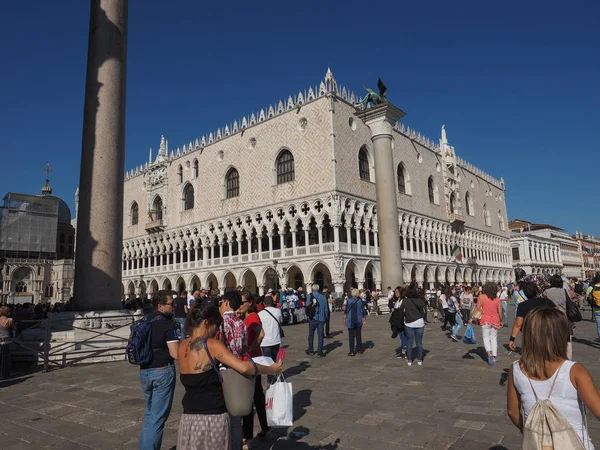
{"x":381,"y":118}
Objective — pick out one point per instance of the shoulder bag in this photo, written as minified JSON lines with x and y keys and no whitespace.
{"x":281,"y":333}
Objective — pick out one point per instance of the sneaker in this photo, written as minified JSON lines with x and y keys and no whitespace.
{"x":351,"y":354}
{"x":409,"y":363}
{"x":419,"y":362}
{"x":321,"y":355}
{"x":454,"y":338}
{"x":491,"y":360}
{"x":309,"y":352}
{"x":400,"y":355}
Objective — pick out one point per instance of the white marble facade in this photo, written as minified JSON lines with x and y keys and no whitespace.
{"x":227,"y":209}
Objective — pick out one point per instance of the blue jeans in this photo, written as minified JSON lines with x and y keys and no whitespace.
{"x":459,"y":324}
{"x":403,"y":339}
{"x":597,"y":317}
{"x":504,"y":311}
{"x":315,"y":325}
{"x":181,"y":322}
{"x":158,"y":386}
{"x":414,"y":334}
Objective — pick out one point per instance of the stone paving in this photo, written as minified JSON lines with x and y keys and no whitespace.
{"x":372,"y":401}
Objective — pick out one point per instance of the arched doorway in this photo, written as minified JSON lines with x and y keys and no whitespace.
{"x":22,"y":280}
{"x":271,"y":279}
{"x":130,"y":291}
{"x":321,"y":275}
{"x":195,"y":284}
{"x":249,"y":282}
{"x":371,"y":276}
{"x":229,"y":282}
{"x":167,"y":285}
{"x":295,"y":277}
{"x":180,"y":284}
{"x":351,"y":275}
{"x":413,"y":273}
{"x":211,"y":282}
{"x":153,"y":287}
{"x":142,"y":289}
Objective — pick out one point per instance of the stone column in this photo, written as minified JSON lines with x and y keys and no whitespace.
{"x":294,"y":242}
{"x":336,"y":240}
{"x":100,"y":214}
{"x":380,"y":119}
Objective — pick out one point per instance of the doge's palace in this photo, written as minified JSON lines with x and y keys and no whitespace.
{"x":286,"y":197}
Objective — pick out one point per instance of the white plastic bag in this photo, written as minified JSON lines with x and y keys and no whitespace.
{"x":280,"y":403}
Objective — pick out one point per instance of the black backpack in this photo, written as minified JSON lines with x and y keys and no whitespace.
{"x":311,"y":307}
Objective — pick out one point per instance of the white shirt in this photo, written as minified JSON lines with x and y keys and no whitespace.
{"x":270,"y":326}
{"x":444,"y":301}
{"x":190,"y":301}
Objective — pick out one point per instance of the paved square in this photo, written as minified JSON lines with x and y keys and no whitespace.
{"x":372,"y":401}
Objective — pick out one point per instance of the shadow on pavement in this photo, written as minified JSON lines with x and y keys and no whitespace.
{"x":13,"y":381}
{"x":367,"y":346}
{"x":593,"y":344}
{"x":332,"y":346}
{"x":504,"y":377}
{"x":296,"y":370}
{"x":478,"y":351}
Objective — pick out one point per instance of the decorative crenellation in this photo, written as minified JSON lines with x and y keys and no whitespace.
{"x":411,"y":133}
{"x":327,"y":86}
{"x":480,"y":173}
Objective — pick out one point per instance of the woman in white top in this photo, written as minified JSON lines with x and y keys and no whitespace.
{"x":544,"y":363}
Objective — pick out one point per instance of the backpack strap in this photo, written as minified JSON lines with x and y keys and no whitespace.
{"x":212,"y":362}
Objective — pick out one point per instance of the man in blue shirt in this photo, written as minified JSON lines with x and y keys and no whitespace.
{"x":317,"y":323}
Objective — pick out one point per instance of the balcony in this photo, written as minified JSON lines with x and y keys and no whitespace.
{"x":155,"y":226}
{"x":457,"y":218}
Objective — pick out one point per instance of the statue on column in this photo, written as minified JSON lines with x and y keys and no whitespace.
{"x":374,"y":98}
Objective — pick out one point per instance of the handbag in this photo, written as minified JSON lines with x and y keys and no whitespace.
{"x":281,"y":333}
{"x":238,"y":389}
{"x":279,"y":403}
{"x":477,"y":313}
{"x":573,"y":313}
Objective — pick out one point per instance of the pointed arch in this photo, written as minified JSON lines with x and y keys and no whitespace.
{"x":187,"y":198}
{"x":403,"y":179}
{"x":364,"y":164}
{"x":134,"y":214}
{"x":180,"y":174}
{"x":232,"y":183}
{"x":469,"y":204}
{"x":285,"y":167}
{"x":195,"y":168}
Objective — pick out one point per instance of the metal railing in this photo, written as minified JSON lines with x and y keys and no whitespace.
{"x":99,"y":339}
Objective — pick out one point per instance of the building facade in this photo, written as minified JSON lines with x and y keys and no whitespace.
{"x":36,"y":248}
{"x":543,"y":248}
{"x":286,"y":197}
{"x":590,"y":254}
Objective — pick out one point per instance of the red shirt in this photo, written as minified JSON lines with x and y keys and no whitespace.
{"x":260,"y":307}
{"x":252,"y":333}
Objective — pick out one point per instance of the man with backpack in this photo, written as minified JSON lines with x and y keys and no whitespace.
{"x":157,"y":373}
{"x":593,"y":293}
{"x":317,"y":312}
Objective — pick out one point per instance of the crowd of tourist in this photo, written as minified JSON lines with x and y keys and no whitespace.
{"x":205,"y":333}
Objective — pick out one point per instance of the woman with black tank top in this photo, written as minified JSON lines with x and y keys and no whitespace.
{"x":204,"y":423}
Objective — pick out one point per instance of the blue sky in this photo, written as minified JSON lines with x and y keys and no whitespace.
{"x":516,"y":83}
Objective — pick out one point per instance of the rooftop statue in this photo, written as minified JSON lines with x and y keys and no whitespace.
{"x":374,"y":98}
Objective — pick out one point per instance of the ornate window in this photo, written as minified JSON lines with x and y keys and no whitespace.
{"x":286,"y":170}
{"x":21,"y":286}
{"x":195,"y":168}
{"x":452,"y":203}
{"x":486,"y":216}
{"x":232,"y":181}
{"x":157,"y":209}
{"x":501,"y":221}
{"x":134,"y":214}
{"x":188,"y":197}
{"x":469,"y":205}
{"x":363,"y":164}
{"x":403,"y":180}
{"x":49,"y":291}
{"x":431,"y":190}
{"x":180,"y":174}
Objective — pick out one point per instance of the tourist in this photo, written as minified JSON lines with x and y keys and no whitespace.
{"x":6,"y":333}
{"x":595,"y":286}
{"x":354,"y":320}
{"x":329,"y":300}
{"x":180,"y":309}
{"x":466,"y":303}
{"x":452,"y":310}
{"x":529,"y":290}
{"x":503,"y":295}
{"x":443,"y":305}
{"x":271,"y":319}
{"x":397,"y":321}
{"x":518,"y":296}
{"x":158,"y":377}
{"x":317,"y":322}
{"x":543,"y":372}
{"x":205,"y":423}
{"x":234,"y":334}
{"x":256,"y":334}
{"x":491,"y":319}
{"x":413,"y":308}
